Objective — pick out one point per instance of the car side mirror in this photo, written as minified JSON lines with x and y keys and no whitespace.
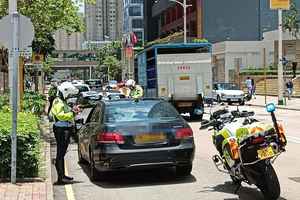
{"x":79,"y":121}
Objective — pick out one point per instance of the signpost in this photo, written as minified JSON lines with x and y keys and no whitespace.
{"x":280,"y":5}
{"x":18,"y":35}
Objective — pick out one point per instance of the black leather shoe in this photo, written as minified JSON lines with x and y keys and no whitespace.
{"x":68,"y":178}
{"x":62,"y":182}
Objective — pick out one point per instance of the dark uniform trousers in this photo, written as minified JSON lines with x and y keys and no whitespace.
{"x":62,"y":136}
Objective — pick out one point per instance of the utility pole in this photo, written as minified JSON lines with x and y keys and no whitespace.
{"x":185,"y":6}
{"x":14,"y":65}
{"x":184,"y":20}
{"x":280,"y":57}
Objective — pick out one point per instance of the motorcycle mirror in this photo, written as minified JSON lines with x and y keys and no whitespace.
{"x":271,"y":107}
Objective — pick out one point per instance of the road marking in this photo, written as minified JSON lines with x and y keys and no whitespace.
{"x":68,"y":187}
{"x":293,"y":139}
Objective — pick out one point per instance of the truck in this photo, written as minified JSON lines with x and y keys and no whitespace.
{"x":179,"y":73}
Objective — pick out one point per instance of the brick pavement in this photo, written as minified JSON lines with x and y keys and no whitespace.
{"x":23,"y":191}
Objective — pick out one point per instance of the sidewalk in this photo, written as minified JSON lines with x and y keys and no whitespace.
{"x":23,"y":191}
{"x":293,"y":104}
{"x":32,"y":189}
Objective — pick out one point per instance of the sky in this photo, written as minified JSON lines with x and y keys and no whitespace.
{"x":80,"y":5}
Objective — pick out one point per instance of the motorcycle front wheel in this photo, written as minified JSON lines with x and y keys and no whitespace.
{"x":268,"y":183}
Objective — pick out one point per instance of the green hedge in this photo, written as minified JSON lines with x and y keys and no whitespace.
{"x":34,"y":102}
{"x":29,"y":145}
{"x":4,"y":100}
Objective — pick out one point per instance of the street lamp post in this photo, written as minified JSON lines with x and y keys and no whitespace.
{"x":185,"y":6}
{"x":280,"y":57}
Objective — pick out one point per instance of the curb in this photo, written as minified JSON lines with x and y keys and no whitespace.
{"x":47,"y":151}
{"x":277,"y":107}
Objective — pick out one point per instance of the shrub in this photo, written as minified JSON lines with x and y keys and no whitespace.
{"x":28,"y":145}
{"x":4,"y":100}
{"x":34,"y":102}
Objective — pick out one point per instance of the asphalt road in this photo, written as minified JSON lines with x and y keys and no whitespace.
{"x":205,"y":183}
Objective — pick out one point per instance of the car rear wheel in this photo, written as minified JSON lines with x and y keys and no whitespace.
{"x":80,"y":158}
{"x":95,"y":175}
{"x":184,"y":170}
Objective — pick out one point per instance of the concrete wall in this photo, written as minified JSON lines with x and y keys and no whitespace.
{"x":246,"y":53}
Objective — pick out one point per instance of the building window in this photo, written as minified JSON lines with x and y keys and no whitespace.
{"x":135,"y":11}
{"x":137,"y":1}
{"x":137,"y":23}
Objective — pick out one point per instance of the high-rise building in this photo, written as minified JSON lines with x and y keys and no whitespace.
{"x":65,"y":41}
{"x":214,"y":20}
{"x":134,"y":18}
{"x":104,"y":20}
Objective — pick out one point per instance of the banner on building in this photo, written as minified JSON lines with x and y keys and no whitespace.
{"x":280,"y":4}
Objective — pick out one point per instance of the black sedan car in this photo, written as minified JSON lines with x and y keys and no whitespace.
{"x":126,"y":134}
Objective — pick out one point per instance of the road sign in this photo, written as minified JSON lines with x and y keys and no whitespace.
{"x":280,"y":4}
{"x":26,"y":33}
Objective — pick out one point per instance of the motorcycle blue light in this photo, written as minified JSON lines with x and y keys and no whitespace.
{"x":271,"y":107}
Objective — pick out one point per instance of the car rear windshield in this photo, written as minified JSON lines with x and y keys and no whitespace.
{"x":82,"y":88}
{"x":140,"y":111}
{"x":93,"y":83}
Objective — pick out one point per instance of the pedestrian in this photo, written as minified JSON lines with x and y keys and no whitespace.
{"x":52,"y":95}
{"x":290,"y":88}
{"x":248,"y":83}
{"x":63,"y":126}
{"x":253,"y":88}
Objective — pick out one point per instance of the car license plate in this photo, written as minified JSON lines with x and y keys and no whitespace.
{"x":187,"y":104}
{"x":265,"y":153}
{"x":150,"y":138}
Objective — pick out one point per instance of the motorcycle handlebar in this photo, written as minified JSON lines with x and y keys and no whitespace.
{"x":207,"y":124}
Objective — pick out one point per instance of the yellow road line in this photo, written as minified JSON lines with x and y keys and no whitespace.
{"x":68,"y":187}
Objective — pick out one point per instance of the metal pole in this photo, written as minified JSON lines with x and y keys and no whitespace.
{"x":280,"y":67}
{"x":90,"y":72}
{"x":14,"y":64}
{"x":184,"y":20}
{"x":265,"y":74}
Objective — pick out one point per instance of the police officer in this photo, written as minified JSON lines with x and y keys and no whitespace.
{"x":52,"y":95}
{"x":63,"y":117}
{"x":136,"y":91}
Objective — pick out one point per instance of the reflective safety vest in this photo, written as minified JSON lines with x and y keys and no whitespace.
{"x":137,"y":92}
{"x":60,"y":111}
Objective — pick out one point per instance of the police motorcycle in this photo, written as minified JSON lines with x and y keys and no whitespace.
{"x":247,"y":148}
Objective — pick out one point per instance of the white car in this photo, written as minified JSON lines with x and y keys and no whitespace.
{"x":228,"y":92}
{"x":82,"y":87}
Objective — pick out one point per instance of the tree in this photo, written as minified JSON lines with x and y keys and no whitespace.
{"x":291,"y":20}
{"x":112,"y":67}
{"x":103,"y":56}
{"x":47,"y":66}
{"x":47,"y":17}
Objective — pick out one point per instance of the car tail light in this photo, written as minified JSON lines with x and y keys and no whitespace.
{"x":110,"y":138}
{"x":184,"y":133}
{"x":258,"y":140}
